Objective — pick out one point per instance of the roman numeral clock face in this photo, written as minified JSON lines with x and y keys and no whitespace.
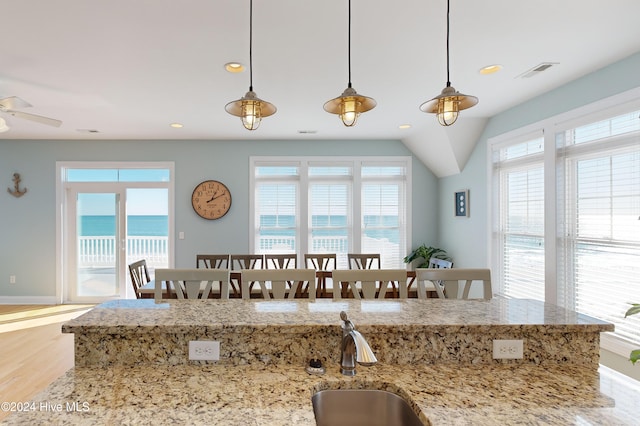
{"x":211,"y":199}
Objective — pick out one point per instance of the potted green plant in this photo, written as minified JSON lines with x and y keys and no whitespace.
{"x":425,"y":253}
{"x":634,"y":309}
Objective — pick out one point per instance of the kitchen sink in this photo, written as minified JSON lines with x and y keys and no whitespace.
{"x":354,"y":407}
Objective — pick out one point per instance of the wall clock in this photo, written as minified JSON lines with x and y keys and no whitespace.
{"x":211,"y":199}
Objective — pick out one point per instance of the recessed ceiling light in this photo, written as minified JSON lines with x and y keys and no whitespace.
{"x":234,"y":67}
{"x":176,"y":125}
{"x":404,"y":126}
{"x":490,"y":69}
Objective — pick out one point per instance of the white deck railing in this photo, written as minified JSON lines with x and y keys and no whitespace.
{"x":100,"y":251}
{"x":389,"y":252}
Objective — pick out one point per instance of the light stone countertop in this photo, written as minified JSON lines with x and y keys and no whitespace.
{"x":438,"y":314}
{"x":435,"y":331}
{"x":277,"y":395}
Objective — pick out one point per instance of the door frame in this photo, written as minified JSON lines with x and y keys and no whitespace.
{"x":62,"y":190}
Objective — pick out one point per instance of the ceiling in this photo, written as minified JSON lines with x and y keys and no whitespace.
{"x":127,"y":69}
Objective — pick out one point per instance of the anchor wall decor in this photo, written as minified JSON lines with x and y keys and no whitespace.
{"x":16,"y":184}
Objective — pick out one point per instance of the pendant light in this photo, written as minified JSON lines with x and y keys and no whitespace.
{"x":250,"y":108}
{"x":450,"y":102}
{"x":350,"y":104}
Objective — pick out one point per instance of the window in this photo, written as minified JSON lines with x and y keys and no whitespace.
{"x":276,"y":190}
{"x":382,"y":213}
{"x":566,"y":214}
{"x":330,"y":218}
{"x":600,"y":219}
{"x":337,"y":205}
{"x":518,"y":171}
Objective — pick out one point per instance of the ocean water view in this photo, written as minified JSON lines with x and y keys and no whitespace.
{"x":151,"y":226}
{"x":139,"y":226}
{"x":377,"y":227}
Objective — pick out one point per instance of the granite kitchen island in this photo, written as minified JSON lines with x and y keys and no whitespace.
{"x":435,"y":354}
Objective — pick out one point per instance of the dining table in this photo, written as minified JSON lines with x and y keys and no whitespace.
{"x":324,"y":286}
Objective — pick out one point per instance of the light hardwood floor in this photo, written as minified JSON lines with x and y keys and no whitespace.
{"x":33,"y":350}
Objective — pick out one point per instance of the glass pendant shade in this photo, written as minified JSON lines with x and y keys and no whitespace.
{"x":250,"y":109}
{"x":447,"y":111}
{"x":251,"y":116}
{"x":3,"y":126}
{"x":349,"y":111}
{"x":349,"y":106}
{"x":448,"y":104}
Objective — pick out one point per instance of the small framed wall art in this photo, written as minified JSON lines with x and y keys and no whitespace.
{"x":462,"y":203}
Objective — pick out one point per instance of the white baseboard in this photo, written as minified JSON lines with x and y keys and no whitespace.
{"x":28,"y":300}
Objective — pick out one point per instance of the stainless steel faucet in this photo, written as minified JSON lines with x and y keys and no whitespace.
{"x":354,"y":348}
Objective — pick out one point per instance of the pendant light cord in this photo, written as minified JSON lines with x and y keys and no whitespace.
{"x":349,"y":44}
{"x":250,"y":45}
{"x":448,"y":82}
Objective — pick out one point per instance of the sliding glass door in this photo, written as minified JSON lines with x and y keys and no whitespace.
{"x":96,"y":245}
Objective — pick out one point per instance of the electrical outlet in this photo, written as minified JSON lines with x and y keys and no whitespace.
{"x":12,"y":279}
{"x":508,"y":349}
{"x":204,"y":350}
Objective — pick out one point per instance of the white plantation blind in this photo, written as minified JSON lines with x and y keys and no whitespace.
{"x":383,"y":213}
{"x":276,"y":208}
{"x":330,"y":227}
{"x":600,"y":218}
{"x":518,"y":231}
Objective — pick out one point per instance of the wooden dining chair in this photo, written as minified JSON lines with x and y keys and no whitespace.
{"x":139,"y":276}
{"x":424,"y":287}
{"x":323,"y":263}
{"x":370,"y":283}
{"x":280,"y":284}
{"x":281,"y":261}
{"x":212,"y":261}
{"x":247,"y":261}
{"x":192,"y":283}
{"x":240,"y":262}
{"x":363,"y":261}
{"x":218,"y":261}
{"x":455,"y":276}
{"x":320,"y":261}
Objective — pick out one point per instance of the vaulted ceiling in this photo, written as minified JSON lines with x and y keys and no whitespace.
{"x":128,"y":69}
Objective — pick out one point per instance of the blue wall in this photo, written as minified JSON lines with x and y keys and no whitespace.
{"x":467,"y":239}
{"x":28,"y":228}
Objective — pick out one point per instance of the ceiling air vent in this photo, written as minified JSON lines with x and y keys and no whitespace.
{"x":537,"y":69}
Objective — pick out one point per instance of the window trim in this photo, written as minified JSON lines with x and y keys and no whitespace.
{"x":356,"y":162}
{"x":595,"y":111}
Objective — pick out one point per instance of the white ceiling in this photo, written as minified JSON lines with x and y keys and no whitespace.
{"x":130,"y":68}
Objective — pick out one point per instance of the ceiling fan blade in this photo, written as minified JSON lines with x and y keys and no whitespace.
{"x":38,"y":118}
{"x":13,"y":102}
